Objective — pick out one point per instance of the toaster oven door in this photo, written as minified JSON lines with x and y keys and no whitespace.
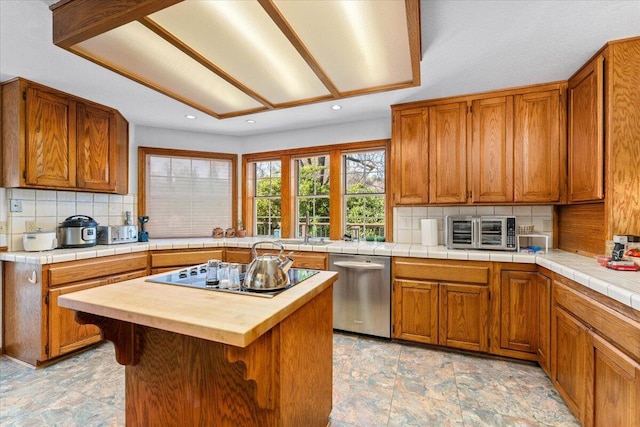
{"x":492,"y":233}
{"x":461,"y":232}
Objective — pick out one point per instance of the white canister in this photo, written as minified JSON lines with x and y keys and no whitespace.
{"x":39,"y":240}
{"x":429,"y":231}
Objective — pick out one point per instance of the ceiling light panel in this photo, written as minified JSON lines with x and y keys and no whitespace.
{"x":371,"y":36}
{"x":139,"y":53}
{"x":240,"y":39}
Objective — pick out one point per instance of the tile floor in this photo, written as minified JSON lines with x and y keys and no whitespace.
{"x":376,"y":383}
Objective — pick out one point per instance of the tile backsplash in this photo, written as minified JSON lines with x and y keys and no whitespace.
{"x":406,"y":220}
{"x":49,"y":208}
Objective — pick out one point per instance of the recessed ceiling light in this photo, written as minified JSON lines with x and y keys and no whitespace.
{"x":336,"y":107}
{"x":250,"y":121}
{"x":190,"y":116}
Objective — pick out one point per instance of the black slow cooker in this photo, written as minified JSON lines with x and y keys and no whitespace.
{"x":78,"y":231}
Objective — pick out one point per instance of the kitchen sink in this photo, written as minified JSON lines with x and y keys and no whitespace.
{"x":311,"y":242}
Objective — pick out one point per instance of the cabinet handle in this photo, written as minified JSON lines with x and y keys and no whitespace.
{"x":33,"y":278}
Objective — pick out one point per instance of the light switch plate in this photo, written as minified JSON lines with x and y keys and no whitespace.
{"x":547,"y":225}
{"x":3,"y":227}
{"x":15,"y":205}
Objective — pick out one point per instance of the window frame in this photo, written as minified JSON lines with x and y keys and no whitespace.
{"x":288,"y":190}
{"x":143,"y":152}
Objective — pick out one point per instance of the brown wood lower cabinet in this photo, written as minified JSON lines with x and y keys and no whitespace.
{"x":515,"y":311}
{"x":613,"y":391}
{"x":415,"y":311}
{"x":568,"y":368}
{"x":173,"y":259}
{"x":544,"y":319}
{"x":312,"y":260}
{"x":441,"y":302}
{"x":36,"y":329}
{"x":595,"y":356}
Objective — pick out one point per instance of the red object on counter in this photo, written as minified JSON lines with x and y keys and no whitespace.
{"x":623,"y":266}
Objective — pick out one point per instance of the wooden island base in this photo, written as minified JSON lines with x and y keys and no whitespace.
{"x":283,"y":378}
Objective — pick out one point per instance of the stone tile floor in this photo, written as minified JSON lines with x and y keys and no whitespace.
{"x":376,"y":383}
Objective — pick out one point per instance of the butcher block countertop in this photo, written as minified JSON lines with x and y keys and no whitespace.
{"x":223,"y":317}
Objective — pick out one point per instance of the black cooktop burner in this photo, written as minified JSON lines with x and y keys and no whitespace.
{"x":194,"y":277}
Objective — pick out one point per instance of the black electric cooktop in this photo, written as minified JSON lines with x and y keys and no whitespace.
{"x":195,"y":277}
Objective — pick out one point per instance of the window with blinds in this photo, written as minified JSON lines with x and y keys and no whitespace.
{"x":188,"y":196}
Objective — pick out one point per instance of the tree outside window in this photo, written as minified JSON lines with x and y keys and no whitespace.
{"x":313,"y":195}
{"x":364,"y":194}
{"x":267,"y":197}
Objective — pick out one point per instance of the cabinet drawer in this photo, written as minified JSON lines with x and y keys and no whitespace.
{"x":76,"y":271}
{"x":440,"y":270}
{"x":184,"y":257}
{"x":309,"y":260}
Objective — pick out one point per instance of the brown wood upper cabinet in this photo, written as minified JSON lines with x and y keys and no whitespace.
{"x":410,"y":157}
{"x":54,"y":140}
{"x":492,"y":150}
{"x":448,"y":153}
{"x":500,"y":147}
{"x":586,"y":136}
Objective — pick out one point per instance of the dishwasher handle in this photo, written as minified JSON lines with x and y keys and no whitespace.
{"x":359,"y":265}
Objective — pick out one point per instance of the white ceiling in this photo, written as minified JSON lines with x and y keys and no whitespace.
{"x":468,"y":47}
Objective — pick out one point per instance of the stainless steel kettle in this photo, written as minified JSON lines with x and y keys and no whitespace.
{"x":267,"y":272}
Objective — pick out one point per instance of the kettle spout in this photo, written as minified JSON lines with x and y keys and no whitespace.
{"x":286,"y":264}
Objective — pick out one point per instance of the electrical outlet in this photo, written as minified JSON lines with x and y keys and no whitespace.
{"x":30,"y":225}
{"x":15,"y":205}
{"x":3,"y":227}
{"x":547,"y":225}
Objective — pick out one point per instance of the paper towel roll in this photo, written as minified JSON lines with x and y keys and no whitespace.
{"x":429,"y":230}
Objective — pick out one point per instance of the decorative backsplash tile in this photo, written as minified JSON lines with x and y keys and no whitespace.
{"x":49,"y":208}
{"x":406,"y":220}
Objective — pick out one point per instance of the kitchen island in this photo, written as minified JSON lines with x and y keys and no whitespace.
{"x":201,"y":357}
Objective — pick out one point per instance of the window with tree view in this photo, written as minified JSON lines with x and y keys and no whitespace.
{"x":267,"y":196}
{"x":312,"y":197}
{"x":364,"y":193}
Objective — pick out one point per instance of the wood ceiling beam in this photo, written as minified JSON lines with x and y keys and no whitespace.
{"x":187,"y":50}
{"x":415,"y":40}
{"x":75,"y":21}
{"x":290,"y":34}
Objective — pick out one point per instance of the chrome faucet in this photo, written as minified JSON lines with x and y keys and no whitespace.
{"x":306,"y":224}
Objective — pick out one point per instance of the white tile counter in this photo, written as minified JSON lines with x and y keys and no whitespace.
{"x":622,"y":286}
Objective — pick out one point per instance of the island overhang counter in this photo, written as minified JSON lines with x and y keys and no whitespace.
{"x":201,"y":357}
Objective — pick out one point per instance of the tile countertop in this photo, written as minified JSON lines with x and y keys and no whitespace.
{"x":622,"y":286}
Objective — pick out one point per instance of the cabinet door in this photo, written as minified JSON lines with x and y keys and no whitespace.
{"x":50,"y":140}
{"x":586,"y":135}
{"x":65,"y":334}
{"x":537,"y":147}
{"x":568,"y":363}
{"x":448,"y":153}
{"x":415,"y":311}
{"x":410,"y":156}
{"x":96,"y":139}
{"x":464,"y":316}
{"x":492,"y":150}
{"x":122,"y":149}
{"x":613,"y":392}
{"x":519,"y":311}
{"x":544,"y":329}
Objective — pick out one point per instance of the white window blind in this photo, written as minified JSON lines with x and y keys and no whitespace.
{"x":187,"y":197}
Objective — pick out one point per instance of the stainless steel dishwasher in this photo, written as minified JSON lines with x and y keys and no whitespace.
{"x":362,"y":294}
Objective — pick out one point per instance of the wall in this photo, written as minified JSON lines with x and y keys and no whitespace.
{"x":406,"y":220}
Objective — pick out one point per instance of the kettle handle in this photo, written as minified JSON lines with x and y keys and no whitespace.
{"x":275,"y":243}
